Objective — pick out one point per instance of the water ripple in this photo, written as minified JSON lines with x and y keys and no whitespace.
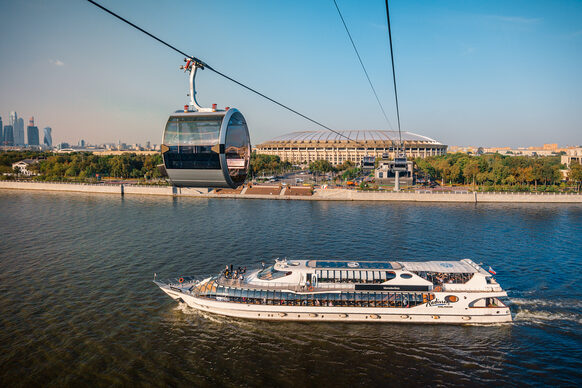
{"x":78,"y":306}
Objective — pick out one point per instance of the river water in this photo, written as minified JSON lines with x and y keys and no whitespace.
{"x":77,"y":305}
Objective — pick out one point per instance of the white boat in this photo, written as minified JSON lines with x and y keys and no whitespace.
{"x":457,"y":292}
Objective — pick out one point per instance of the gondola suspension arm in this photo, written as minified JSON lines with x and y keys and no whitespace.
{"x":192,"y":67}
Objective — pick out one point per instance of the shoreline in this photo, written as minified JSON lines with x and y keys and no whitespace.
{"x":318,"y":194}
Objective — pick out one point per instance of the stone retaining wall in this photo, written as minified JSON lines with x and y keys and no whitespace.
{"x":318,"y":195}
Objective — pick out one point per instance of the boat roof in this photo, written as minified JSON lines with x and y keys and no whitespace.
{"x":463,"y":266}
{"x":444,"y":266}
{"x":352,"y":264}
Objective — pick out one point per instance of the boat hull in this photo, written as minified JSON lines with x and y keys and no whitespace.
{"x":418,"y":314}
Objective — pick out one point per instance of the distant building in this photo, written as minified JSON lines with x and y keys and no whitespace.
{"x":17,"y":136}
{"x":19,"y":132}
{"x":573,"y":155}
{"x":8,"y":138}
{"x":308,"y":146}
{"x":32,"y":132}
{"x":1,"y":132}
{"x":386,"y":172}
{"x":368,"y":163}
{"x":23,"y":166}
{"x":12,"y":118}
{"x":48,"y":139}
{"x":550,"y":149}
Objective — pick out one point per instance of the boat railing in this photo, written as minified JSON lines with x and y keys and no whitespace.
{"x":241,"y":283}
{"x":186,"y":281}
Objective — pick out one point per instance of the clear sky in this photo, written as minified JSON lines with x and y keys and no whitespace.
{"x":468,"y":72}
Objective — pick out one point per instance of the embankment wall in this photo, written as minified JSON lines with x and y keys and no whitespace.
{"x":318,"y":195}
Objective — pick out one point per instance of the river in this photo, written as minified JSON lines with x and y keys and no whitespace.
{"x":78,"y":306}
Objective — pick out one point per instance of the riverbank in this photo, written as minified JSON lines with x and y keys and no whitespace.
{"x":293,"y":194}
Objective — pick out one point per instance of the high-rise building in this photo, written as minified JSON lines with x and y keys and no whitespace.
{"x":8,"y":135}
{"x":32,"y":132}
{"x":48,"y":139}
{"x":1,"y":132}
{"x":13,"y":118}
{"x":19,"y":132}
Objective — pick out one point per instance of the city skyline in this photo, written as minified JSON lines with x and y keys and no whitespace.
{"x":468,"y":73}
{"x":148,"y":143}
{"x":18,"y":136}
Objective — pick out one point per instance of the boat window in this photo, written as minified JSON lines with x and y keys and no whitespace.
{"x":439,"y":278}
{"x":405,"y":275}
{"x":487,"y":303}
{"x":390,"y":275}
{"x":271,"y":273}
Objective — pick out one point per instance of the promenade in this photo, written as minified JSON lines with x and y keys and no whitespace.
{"x":298,"y":193}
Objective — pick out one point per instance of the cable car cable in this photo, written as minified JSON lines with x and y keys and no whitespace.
{"x":393,"y":74}
{"x":204,"y":65}
{"x":362,"y":63}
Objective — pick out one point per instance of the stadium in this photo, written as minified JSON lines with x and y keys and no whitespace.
{"x":307,"y":146}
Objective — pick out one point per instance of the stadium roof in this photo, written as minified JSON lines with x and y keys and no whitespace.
{"x":362,"y":136}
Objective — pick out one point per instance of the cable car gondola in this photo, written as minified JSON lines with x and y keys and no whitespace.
{"x":206,"y":147}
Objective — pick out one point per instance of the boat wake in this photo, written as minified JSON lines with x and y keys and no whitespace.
{"x":576,"y":304}
{"x":540,"y":316}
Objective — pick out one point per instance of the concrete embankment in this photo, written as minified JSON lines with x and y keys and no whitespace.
{"x":318,"y":195}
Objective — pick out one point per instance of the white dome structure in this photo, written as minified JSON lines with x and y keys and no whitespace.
{"x":307,"y":146}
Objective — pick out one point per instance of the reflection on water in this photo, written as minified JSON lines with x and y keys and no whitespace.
{"x":78,"y":305}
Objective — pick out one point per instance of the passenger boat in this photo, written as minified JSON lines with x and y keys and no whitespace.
{"x":455,"y":292}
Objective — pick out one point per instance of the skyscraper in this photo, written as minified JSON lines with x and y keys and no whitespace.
{"x":19,"y":132}
{"x":32,"y":132}
{"x":14,"y":123}
{"x":13,"y":118}
{"x":48,"y":139}
{"x":8,"y":135}
{"x":1,"y":132}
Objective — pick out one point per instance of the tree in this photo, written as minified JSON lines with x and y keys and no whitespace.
{"x":575,"y":174}
{"x":350,"y":173}
{"x":471,"y":170}
{"x":321,"y":165}
{"x":442,"y":169}
{"x":348,"y":164}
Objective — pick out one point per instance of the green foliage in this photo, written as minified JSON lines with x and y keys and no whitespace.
{"x":492,"y":170}
{"x":351,"y":173}
{"x":86,"y":166}
{"x":322,"y":166}
{"x":261,"y":164}
{"x":575,"y":174}
{"x":348,"y":164}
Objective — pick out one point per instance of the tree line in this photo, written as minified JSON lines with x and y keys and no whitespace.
{"x":490,"y":172}
{"x":495,"y":170}
{"x":85,"y":166}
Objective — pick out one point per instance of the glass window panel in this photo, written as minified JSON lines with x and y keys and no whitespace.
{"x":190,"y":141}
{"x":237,"y":148}
{"x":192,"y":130}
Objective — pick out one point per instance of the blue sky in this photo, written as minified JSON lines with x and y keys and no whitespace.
{"x":468,"y":72}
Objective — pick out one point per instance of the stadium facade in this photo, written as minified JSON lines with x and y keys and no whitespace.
{"x":308,"y":146}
